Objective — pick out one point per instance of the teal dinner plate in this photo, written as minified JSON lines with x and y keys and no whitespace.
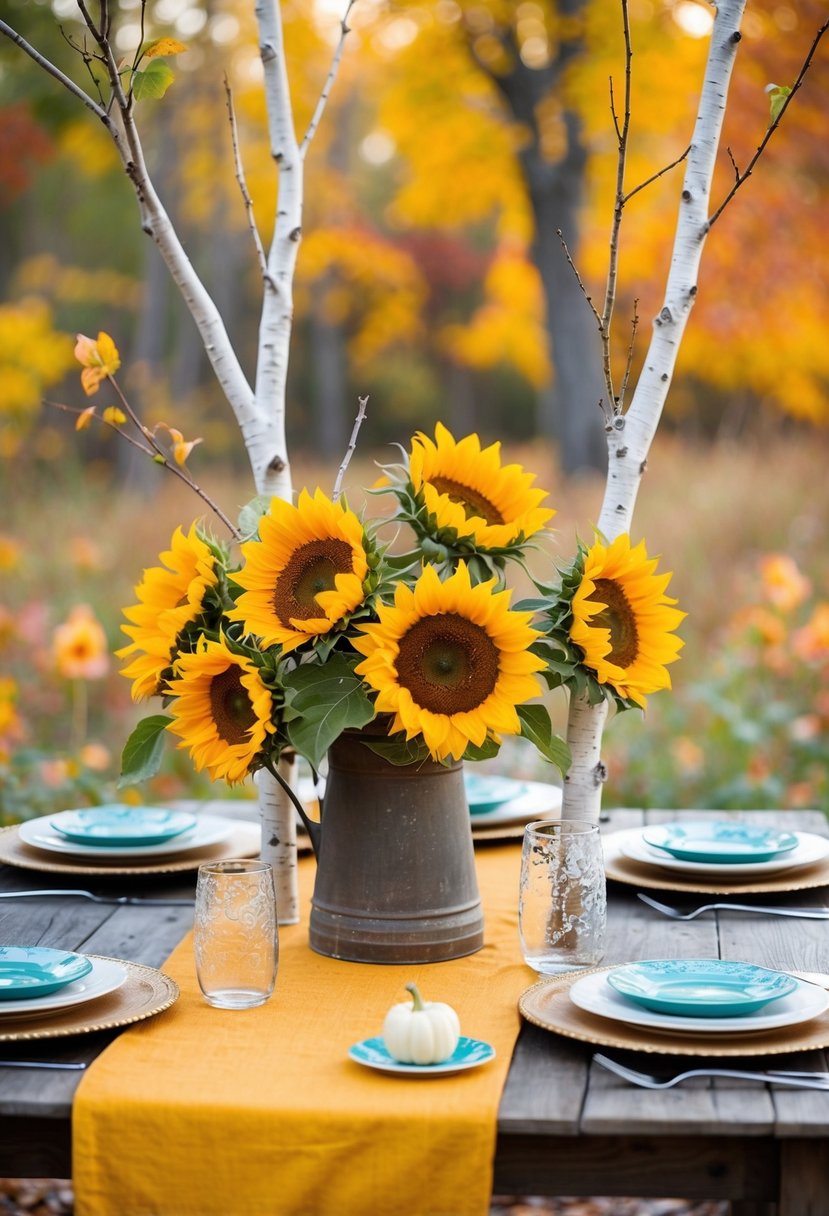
{"x":119,"y":824}
{"x":719,"y":841}
{"x":469,"y":1053}
{"x":485,"y":793}
{"x":700,"y":987}
{"x":32,"y":971}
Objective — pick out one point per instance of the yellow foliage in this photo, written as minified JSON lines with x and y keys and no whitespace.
{"x":509,"y":326}
{"x":44,"y":275}
{"x":88,"y":148}
{"x":33,"y":356}
{"x":356,"y":277}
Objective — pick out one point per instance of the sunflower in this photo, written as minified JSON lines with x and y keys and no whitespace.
{"x":623,"y":621}
{"x":450,"y":661}
{"x":467,"y":491}
{"x":222,"y":711}
{"x":304,"y":574}
{"x":170,"y":597}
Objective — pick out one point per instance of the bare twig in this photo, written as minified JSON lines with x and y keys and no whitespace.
{"x":734,"y":164}
{"x":634,"y":325}
{"x":613,"y":113}
{"x":613,"y":259}
{"x":163,"y":458}
{"x":654,"y":176}
{"x":49,"y":67}
{"x":773,"y":125}
{"x":240,"y":177}
{"x":579,"y":279}
{"x":352,"y":444}
{"x":329,"y":81}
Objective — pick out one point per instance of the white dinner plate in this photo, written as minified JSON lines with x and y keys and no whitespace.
{"x":209,"y":829}
{"x":593,"y":994}
{"x":469,"y":1053}
{"x":538,"y":800}
{"x":808,"y":850}
{"x":106,"y":975}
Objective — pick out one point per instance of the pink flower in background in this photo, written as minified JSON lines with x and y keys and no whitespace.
{"x":79,"y":646}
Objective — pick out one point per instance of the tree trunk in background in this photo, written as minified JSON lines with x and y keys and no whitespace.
{"x":554,"y":168}
{"x":329,"y":374}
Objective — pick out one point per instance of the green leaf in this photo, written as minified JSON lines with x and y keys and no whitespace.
{"x":537,"y":727}
{"x":777,"y":99}
{"x":141,"y":758}
{"x":488,"y":749}
{"x":153,"y":81}
{"x":397,"y":749}
{"x":250,"y":515}
{"x":327,"y":699}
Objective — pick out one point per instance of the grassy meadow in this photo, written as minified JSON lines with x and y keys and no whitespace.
{"x":741,"y":525}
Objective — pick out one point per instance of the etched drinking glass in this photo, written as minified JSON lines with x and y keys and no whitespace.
{"x":562,"y":904}
{"x":235,"y":935}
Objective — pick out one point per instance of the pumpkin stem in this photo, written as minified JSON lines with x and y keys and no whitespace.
{"x":417,"y":999}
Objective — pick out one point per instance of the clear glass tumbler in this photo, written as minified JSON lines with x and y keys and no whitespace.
{"x":235,"y":934}
{"x":562,"y":903}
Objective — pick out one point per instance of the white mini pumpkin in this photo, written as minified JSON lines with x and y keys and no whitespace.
{"x":421,"y":1032}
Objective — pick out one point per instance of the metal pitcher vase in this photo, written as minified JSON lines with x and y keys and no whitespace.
{"x":396,"y":879}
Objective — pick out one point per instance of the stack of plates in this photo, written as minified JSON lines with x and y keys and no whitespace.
{"x":125,"y":839}
{"x":47,"y":993}
{"x":692,"y":1007}
{"x":717,"y":855}
{"x":699,"y":996}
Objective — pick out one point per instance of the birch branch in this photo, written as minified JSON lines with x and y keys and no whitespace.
{"x":352,"y":444}
{"x":622,"y":134}
{"x":741,"y":178}
{"x":240,"y":178}
{"x":48,"y":66}
{"x":630,"y":436}
{"x":345,"y":30}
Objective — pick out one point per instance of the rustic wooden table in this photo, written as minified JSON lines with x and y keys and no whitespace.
{"x":566,"y":1126}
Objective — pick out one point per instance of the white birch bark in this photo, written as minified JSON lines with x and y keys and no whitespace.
{"x":631,"y":435}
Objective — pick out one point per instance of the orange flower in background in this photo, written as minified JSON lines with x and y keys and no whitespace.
{"x":98,"y":359}
{"x":812,"y":640}
{"x":764,"y":626}
{"x":10,"y":553}
{"x":85,"y":553}
{"x":80,"y":646}
{"x":783,"y":584}
{"x":95,"y":756}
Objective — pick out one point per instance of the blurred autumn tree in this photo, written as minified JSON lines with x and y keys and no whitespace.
{"x":461,"y":136}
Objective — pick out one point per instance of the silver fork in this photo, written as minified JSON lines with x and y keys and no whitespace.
{"x":101,"y":899}
{"x":799,"y":1080}
{"x":675,"y":914}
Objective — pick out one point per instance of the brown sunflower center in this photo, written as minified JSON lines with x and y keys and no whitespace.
{"x":472,"y":502}
{"x":447,"y":663}
{"x":620,"y":619}
{"x":230,"y":706}
{"x":311,"y":568}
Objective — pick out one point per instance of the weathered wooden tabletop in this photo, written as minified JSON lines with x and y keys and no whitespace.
{"x":566,"y":1126}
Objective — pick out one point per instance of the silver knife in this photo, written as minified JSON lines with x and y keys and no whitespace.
{"x":102,"y":899}
{"x":75,"y":1067}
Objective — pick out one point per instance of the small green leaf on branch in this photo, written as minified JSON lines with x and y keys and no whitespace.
{"x":153,"y":81}
{"x":777,"y":99}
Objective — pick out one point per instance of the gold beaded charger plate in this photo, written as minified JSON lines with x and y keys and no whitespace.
{"x":621,"y":868}
{"x":145,"y":993}
{"x":548,"y":1004}
{"x":243,"y":841}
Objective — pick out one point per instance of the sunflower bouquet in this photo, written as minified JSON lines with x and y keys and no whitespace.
{"x":318,"y":625}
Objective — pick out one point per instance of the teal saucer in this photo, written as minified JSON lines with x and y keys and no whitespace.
{"x":469,"y":1053}
{"x":32,"y":971}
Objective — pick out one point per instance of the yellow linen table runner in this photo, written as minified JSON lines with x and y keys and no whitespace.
{"x":209,"y":1112}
